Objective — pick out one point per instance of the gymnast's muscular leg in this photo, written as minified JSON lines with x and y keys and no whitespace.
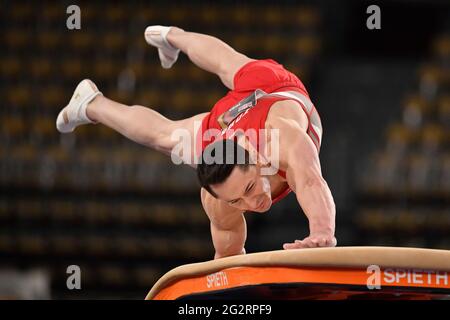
{"x":144,"y":125}
{"x":209,"y":53}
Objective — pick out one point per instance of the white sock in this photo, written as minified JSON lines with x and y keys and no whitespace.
{"x":164,"y":32}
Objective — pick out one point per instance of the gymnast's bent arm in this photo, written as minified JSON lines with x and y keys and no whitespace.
{"x":228,"y":226}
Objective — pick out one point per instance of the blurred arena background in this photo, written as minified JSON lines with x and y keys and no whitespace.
{"x":126,"y":215}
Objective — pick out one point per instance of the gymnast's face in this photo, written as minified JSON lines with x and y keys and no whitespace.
{"x":246,"y":189}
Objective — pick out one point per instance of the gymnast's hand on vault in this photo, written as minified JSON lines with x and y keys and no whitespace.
{"x":313,"y":241}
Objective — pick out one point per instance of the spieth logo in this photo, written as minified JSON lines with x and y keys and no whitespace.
{"x":218,"y":279}
{"x":404,"y":277}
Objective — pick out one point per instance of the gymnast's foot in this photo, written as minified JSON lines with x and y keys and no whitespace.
{"x":157,"y":37}
{"x":74,"y":114}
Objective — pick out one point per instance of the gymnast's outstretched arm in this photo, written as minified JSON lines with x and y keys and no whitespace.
{"x":305,"y":178}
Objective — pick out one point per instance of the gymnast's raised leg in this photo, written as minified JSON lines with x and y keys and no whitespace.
{"x":141,"y":124}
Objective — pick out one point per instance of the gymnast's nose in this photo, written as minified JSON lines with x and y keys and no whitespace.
{"x":254,"y":202}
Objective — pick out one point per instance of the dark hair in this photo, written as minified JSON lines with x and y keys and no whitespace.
{"x":218,"y":161}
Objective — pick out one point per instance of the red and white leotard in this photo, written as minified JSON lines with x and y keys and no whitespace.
{"x":272,"y":83}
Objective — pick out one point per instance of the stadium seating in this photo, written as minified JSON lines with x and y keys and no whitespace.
{"x":123,"y":212}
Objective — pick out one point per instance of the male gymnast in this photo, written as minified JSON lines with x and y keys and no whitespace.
{"x":263,"y":95}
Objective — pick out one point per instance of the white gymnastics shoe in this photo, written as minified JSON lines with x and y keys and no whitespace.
{"x":157,"y":37}
{"x":74,"y":114}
